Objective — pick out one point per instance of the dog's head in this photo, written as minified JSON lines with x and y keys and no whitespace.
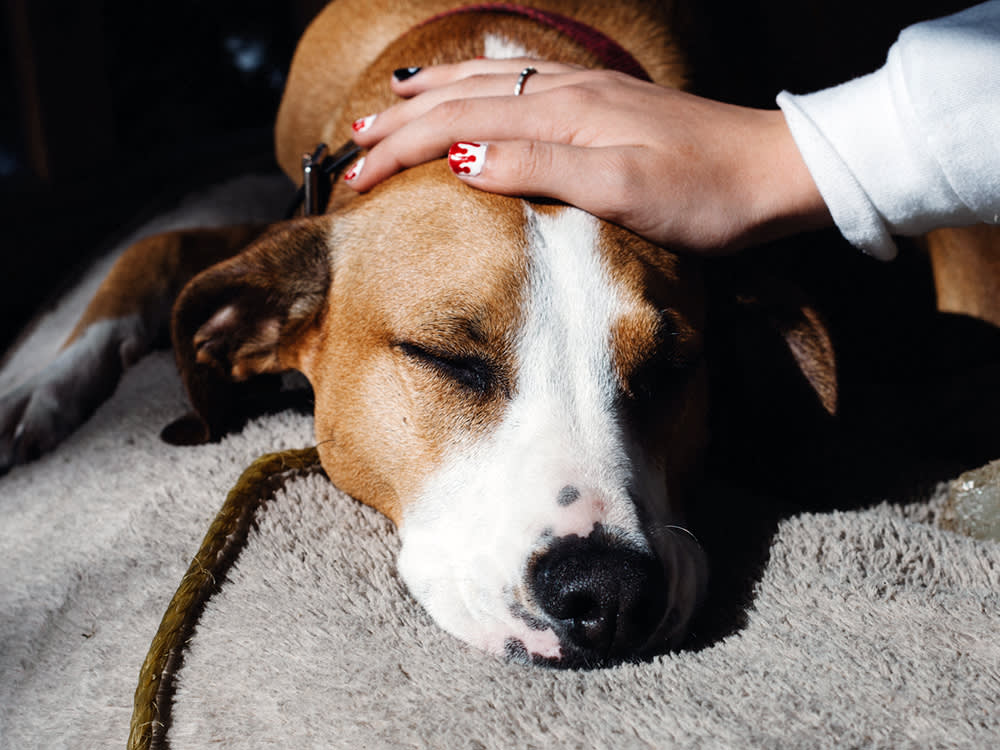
{"x":519,"y":386}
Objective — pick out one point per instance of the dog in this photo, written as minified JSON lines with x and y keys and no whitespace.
{"x":521,"y":387}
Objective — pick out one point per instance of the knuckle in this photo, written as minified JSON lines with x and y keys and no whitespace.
{"x":464,"y":69}
{"x":623,"y":186}
{"x":477,"y":81}
{"x":575,"y":97}
{"x":533,"y":163}
{"x":450,"y":111}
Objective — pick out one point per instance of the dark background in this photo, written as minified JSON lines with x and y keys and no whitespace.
{"x":112,"y":108}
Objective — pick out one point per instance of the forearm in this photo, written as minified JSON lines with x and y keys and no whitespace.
{"x":914,"y":145}
{"x":780,"y":190}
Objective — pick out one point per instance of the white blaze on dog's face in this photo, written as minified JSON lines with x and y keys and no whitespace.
{"x":523,"y":396}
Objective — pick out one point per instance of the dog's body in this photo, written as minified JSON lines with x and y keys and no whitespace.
{"x":519,"y":386}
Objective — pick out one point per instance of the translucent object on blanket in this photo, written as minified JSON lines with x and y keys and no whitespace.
{"x":973,"y":506}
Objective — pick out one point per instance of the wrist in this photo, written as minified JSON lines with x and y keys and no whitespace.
{"x":783,"y":196}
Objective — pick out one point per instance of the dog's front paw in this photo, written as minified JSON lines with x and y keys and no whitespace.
{"x":42,"y":412}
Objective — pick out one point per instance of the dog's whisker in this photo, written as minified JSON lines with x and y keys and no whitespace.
{"x":660,"y":531}
{"x":324,"y":442}
{"x":682,"y":530}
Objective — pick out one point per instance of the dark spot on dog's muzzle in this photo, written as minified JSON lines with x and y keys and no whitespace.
{"x":515,"y":651}
{"x":567,"y":496}
{"x":604,"y":598}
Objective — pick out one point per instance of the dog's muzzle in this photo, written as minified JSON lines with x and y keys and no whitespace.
{"x":609,"y":601}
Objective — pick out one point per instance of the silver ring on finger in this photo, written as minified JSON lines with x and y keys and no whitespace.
{"x":519,"y":86}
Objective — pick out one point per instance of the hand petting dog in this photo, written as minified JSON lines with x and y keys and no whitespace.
{"x":680,"y":170}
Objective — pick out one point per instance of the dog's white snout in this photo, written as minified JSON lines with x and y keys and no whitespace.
{"x":579,"y":509}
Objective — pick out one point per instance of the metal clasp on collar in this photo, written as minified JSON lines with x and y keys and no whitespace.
{"x":311,"y":165}
{"x":318,"y":170}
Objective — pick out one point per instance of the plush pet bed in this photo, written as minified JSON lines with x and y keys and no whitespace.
{"x":869,"y":628}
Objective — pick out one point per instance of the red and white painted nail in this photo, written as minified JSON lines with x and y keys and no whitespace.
{"x":355,"y":170}
{"x":360,"y":126}
{"x":466,"y":159}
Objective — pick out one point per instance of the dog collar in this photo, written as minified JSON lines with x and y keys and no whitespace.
{"x":611,"y":54}
{"x":313,"y":194}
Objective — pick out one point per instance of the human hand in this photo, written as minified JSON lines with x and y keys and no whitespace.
{"x":682,"y":171}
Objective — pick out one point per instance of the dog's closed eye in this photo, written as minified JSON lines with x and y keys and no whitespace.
{"x":670,"y":352}
{"x":472,"y":372}
{"x":655,"y":376}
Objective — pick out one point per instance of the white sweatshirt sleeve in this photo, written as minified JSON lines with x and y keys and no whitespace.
{"x":916,"y":144}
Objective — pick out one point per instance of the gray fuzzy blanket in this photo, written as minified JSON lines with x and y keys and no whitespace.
{"x":871,"y":628}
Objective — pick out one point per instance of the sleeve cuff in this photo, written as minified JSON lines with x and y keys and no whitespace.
{"x":850,"y":206}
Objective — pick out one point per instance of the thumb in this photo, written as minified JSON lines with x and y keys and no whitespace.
{"x":584,"y":177}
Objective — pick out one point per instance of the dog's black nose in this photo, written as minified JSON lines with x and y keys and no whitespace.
{"x":607,"y":598}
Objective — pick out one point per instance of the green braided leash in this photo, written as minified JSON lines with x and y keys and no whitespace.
{"x":219,"y":550}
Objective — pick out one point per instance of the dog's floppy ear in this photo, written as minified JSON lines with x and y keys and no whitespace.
{"x":248,"y":317}
{"x":780,"y":308}
{"x":774,"y":372}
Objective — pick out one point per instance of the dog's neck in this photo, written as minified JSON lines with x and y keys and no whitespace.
{"x":351,"y":60}
{"x":611,"y":54}
{"x":584,"y":42}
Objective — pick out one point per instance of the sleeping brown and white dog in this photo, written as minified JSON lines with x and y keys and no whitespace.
{"x":519,"y":386}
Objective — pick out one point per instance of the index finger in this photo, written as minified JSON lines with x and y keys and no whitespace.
{"x":430,"y":135}
{"x":371,"y":129}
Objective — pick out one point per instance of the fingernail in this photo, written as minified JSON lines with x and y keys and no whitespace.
{"x":401,"y":74}
{"x":360,"y":126}
{"x":355,"y":170}
{"x":467,"y":159}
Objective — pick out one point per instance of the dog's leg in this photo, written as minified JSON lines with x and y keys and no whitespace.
{"x":966,"y":265}
{"x":128,"y":315}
